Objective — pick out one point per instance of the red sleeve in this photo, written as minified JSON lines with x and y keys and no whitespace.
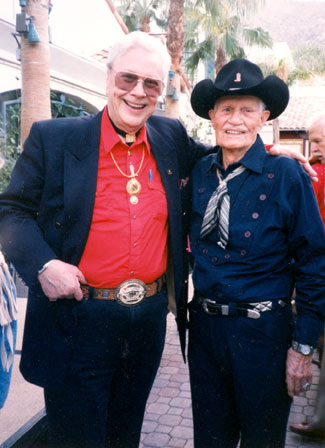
{"x":319,"y":189}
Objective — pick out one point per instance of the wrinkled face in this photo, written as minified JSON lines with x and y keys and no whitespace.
{"x":317,"y":141}
{"x":130,"y":109}
{"x":236,"y":121}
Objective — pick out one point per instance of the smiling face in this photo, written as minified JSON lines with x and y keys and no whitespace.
{"x":236,"y":121}
{"x":317,"y":140}
{"x":130,"y":110}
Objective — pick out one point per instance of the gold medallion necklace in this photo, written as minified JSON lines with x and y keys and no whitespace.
{"x":133,"y":186}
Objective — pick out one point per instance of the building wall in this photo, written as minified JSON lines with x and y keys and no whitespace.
{"x":73,"y":70}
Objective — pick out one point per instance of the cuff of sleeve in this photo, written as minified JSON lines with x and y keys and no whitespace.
{"x":308,"y":330}
{"x":45,"y":266}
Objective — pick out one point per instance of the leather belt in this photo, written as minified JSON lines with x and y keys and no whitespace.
{"x":128,"y":293}
{"x":252,"y":310}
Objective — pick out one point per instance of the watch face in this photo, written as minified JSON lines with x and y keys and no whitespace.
{"x":306,"y":349}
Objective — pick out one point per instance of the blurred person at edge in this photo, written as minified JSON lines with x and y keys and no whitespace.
{"x":316,"y":427}
{"x":96,"y":212}
{"x":253,"y":226}
{"x":317,"y":148}
{"x":8,"y":323}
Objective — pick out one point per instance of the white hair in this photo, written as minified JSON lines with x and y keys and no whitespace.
{"x":138,"y":39}
{"x":319,"y":120}
{"x":262,"y":105}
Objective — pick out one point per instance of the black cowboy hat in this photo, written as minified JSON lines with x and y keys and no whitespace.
{"x":241,"y":77}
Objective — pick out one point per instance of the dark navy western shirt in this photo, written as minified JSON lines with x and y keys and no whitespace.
{"x":276,"y":237}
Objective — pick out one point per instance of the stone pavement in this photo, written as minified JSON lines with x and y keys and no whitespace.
{"x":168,"y":419}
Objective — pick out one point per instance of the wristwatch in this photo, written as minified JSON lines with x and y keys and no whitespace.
{"x":304,"y":349}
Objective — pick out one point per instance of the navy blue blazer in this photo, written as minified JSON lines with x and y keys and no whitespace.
{"x":46,"y":213}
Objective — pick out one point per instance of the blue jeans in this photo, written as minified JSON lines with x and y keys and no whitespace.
{"x":237,"y":373}
{"x":116,"y":355}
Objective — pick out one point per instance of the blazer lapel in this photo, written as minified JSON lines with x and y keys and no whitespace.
{"x":164,"y":152}
{"x":166,"y":159}
{"x":80,"y":180}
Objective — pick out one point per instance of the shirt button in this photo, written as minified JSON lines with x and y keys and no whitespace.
{"x":58,"y":225}
{"x":227,"y":256}
{"x":205,"y":251}
{"x":262,"y":197}
{"x":134,"y":216}
{"x":135,"y":245}
{"x":255,"y":215}
{"x":132,"y":272}
{"x":201,"y":190}
{"x":243,"y":252}
{"x":214,"y":260}
{"x":270,"y":175}
{"x":247,"y":234}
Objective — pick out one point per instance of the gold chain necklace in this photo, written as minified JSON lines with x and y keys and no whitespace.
{"x":133,"y":186}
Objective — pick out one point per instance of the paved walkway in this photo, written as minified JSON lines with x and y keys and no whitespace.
{"x":168,"y":419}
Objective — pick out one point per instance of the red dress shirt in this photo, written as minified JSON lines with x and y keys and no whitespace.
{"x":319,"y":188}
{"x":126,"y":240}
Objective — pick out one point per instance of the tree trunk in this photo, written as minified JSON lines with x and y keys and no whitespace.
{"x":35,"y":69}
{"x":175,"y":45}
{"x":276,"y":131}
{"x":221,"y":59}
{"x":117,"y":16}
{"x":145,"y":25}
{"x":282,"y":73}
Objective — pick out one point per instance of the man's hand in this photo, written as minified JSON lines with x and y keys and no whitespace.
{"x":299,"y":371}
{"x":279,"y":150}
{"x":62,"y":281}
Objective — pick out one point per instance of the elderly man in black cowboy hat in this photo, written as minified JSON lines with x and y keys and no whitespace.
{"x":254,"y":221}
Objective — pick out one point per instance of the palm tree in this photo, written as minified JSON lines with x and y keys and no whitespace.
{"x":35,"y":69}
{"x":137,"y":14}
{"x":175,"y":46}
{"x":224,"y":29}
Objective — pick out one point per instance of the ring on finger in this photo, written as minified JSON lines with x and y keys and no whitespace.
{"x":306,"y":386}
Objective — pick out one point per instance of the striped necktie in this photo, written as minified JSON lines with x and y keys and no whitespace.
{"x":218,"y":208}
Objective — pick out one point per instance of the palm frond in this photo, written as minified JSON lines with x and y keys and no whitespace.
{"x":204,"y":50}
{"x":257,"y":36}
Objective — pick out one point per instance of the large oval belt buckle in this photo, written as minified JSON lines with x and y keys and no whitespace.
{"x":130,"y":292}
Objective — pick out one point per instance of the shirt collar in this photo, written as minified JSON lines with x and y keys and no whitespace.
{"x":253,"y":159}
{"x":110,"y":138}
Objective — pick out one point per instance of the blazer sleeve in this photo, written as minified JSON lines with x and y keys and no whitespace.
{"x":20,"y":235}
{"x":196,"y":149}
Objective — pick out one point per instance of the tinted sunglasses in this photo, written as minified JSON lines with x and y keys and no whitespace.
{"x":127,"y":81}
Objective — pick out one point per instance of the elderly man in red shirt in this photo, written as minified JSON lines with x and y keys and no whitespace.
{"x":95,"y":208}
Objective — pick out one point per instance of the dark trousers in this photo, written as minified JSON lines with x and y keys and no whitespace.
{"x":237,"y":373}
{"x":116,"y":355}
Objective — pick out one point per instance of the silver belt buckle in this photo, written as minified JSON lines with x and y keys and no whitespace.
{"x":253,"y":314}
{"x":205,"y":306}
{"x":130,"y":292}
